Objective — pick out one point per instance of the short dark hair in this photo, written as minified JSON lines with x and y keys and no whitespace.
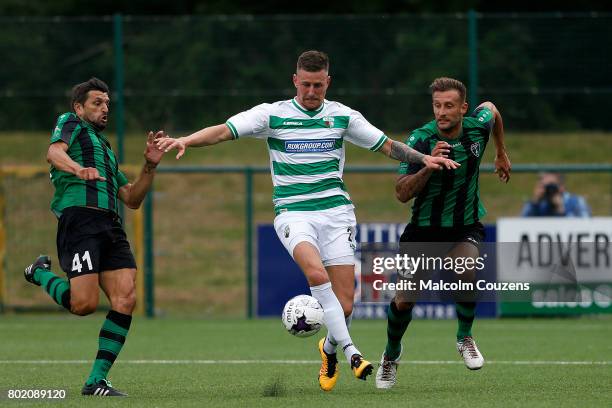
{"x":79,"y":91}
{"x":313,"y":61}
{"x":447,"y":84}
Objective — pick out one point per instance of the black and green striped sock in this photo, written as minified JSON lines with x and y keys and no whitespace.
{"x":465,"y":319}
{"x":397,"y":323}
{"x":56,"y":287}
{"x":111,"y":339}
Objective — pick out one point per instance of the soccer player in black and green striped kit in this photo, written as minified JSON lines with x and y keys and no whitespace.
{"x":91,"y":243}
{"x":447,"y":206}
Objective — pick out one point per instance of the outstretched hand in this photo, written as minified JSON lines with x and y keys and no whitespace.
{"x":439,"y":163}
{"x":167,"y":143}
{"x":153,"y":154}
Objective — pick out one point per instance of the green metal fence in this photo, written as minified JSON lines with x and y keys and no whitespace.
{"x":248,"y":173}
{"x":199,"y":227}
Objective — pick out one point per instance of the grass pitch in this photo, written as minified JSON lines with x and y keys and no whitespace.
{"x":180,"y":363}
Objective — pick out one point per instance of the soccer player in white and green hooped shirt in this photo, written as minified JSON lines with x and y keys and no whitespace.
{"x":314,"y":220}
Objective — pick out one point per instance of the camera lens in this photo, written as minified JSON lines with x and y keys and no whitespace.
{"x":551,"y":189}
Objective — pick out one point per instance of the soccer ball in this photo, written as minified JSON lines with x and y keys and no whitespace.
{"x":303,"y":316}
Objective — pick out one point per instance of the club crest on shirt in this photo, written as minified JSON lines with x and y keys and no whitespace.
{"x":475,"y":149}
{"x":329,"y":121}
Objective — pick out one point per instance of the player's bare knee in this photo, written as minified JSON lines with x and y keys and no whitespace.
{"x":124,"y":304}
{"x":317,"y":279}
{"x":315,"y":267}
{"x":130,"y":302}
{"x":82,"y":307}
{"x":316,"y":275}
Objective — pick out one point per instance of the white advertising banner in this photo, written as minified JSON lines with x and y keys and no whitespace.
{"x":567,"y":261}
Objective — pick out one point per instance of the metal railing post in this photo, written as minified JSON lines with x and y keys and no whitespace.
{"x":2,"y":245}
{"x":248,"y":173}
{"x":149,"y":261}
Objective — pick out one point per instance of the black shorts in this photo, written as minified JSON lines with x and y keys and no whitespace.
{"x":448,"y":237}
{"x":439,"y":242}
{"x":92,"y":241}
{"x":473,"y":233}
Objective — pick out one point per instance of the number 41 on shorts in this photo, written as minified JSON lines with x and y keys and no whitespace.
{"x":76,"y":262}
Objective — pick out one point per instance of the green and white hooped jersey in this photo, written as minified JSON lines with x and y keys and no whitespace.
{"x":307,"y":150}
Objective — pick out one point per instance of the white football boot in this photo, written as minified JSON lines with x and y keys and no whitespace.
{"x":386,"y":376}
{"x":470,"y":353}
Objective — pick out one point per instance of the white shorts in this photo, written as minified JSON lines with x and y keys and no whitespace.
{"x":331,"y":231}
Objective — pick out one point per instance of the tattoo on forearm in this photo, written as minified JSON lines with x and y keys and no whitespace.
{"x":149,"y":167}
{"x":404,"y":153}
{"x":411,"y":186}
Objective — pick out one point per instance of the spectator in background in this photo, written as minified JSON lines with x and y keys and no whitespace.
{"x":551,"y":200}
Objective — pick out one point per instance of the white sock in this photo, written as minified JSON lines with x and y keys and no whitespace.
{"x":334,"y":318}
{"x":330,"y":343}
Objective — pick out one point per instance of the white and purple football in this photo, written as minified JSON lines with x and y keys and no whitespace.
{"x":303,"y":316}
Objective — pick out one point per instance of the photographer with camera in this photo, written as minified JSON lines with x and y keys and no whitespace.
{"x":551,"y":200}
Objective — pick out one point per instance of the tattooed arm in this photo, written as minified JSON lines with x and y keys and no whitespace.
{"x":408,"y":186}
{"x":401,"y":152}
{"x":404,"y":153}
